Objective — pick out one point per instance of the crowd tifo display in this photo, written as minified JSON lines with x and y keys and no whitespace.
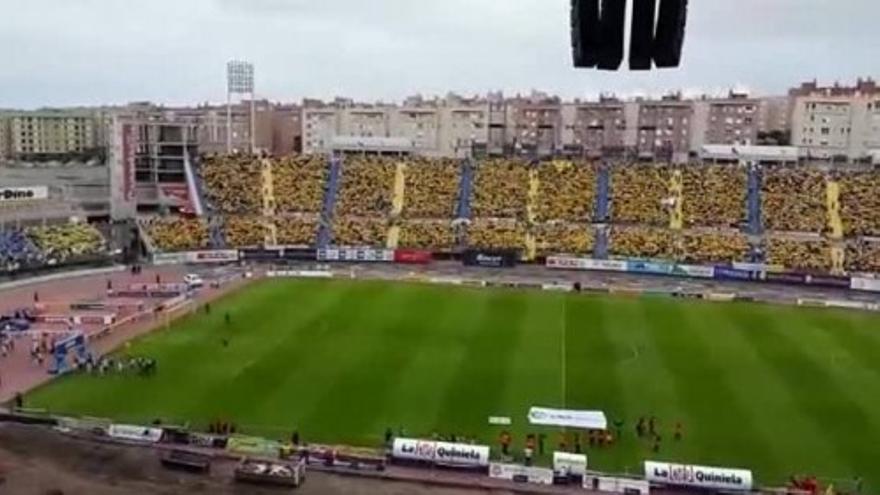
{"x":807,"y":218}
{"x":57,"y":244}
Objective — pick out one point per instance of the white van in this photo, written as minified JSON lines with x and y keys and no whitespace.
{"x":193,"y":281}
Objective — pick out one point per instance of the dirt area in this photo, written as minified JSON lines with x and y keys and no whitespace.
{"x":38,"y":461}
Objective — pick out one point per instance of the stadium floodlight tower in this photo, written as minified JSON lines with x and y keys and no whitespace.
{"x":239,"y":81}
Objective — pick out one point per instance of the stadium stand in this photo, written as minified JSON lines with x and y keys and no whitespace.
{"x":297,"y":230}
{"x":366,"y":187}
{"x":862,"y":256}
{"x":793,"y":199}
{"x":641,"y":242}
{"x":233,"y":183}
{"x":431,"y":188}
{"x":496,"y":233}
{"x":244,"y":231}
{"x":714,"y":195}
{"x":299,"y":184}
{"x":560,"y":237}
{"x":707,"y":247}
{"x":17,"y":250}
{"x":428,"y":234}
{"x":638,"y":193}
{"x":501,"y":189}
{"x":566,"y":191}
{"x":65,"y":242}
{"x":799,"y":254}
{"x":177,"y":233}
{"x":860,"y":203}
{"x":360,"y":231}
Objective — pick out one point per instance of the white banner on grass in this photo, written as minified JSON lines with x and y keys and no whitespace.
{"x":714,"y":478}
{"x":588,"y":420}
{"x":517,"y":472}
{"x":135,"y":433}
{"x":440,"y":452}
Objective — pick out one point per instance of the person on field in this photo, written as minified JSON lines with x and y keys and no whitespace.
{"x":227,"y":318}
{"x":505,"y":443}
{"x":652,"y":425}
{"x":679,"y":431}
{"x":640,"y":427}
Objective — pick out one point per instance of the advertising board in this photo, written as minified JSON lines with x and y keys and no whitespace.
{"x":520,"y":473}
{"x":865,"y":284}
{"x":567,"y":463}
{"x":649,"y":267}
{"x":491,"y":259}
{"x":134,"y":433}
{"x":454,"y":454}
{"x":724,"y":273}
{"x":12,"y":194}
{"x":412,"y":256}
{"x":356,"y":255}
{"x":713,"y":478}
{"x":694,"y":271}
{"x":589,"y":420}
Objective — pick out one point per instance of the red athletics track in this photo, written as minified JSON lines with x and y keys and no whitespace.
{"x":18,"y":373}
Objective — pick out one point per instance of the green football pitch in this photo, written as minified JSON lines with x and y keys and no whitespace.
{"x":779,"y":390}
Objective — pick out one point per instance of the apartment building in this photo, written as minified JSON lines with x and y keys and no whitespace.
{"x":836,"y":122}
{"x":598,"y":128}
{"x":664,"y":128}
{"x":50,"y":134}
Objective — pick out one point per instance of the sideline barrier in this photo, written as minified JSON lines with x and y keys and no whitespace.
{"x":501,"y":258}
{"x":702,"y":477}
{"x":610,"y":484}
{"x":865,"y":284}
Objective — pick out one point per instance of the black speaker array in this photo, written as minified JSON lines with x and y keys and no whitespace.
{"x":641,"y":42}
{"x":669,"y":37}
{"x":597,"y":36}
{"x":585,"y":32}
{"x":611,"y":21}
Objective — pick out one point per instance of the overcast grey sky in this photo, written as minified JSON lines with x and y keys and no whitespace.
{"x":66,"y":52}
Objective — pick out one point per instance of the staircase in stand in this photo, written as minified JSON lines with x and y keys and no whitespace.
{"x":600,"y":246}
{"x":464,"y":190}
{"x":753,"y":200}
{"x":325,"y":231}
{"x":603,"y":194}
{"x":215,"y":230}
{"x":195,"y":187}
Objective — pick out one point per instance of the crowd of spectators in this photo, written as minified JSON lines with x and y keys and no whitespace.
{"x":296,"y":231}
{"x":641,"y":242}
{"x":432,"y":188}
{"x":563,"y":237}
{"x":713,"y":247}
{"x":178,"y":233}
{"x":360,"y":231}
{"x":428,"y":234}
{"x":639,"y":194}
{"x":60,"y":243}
{"x":863,"y":256}
{"x":491,"y":233}
{"x":233,"y":183}
{"x":298,"y":184}
{"x":501,"y":188}
{"x":714,"y":195}
{"x":860,"y":203}
{"x":799,"y":254}
{"x":793,"y":199}
{"x":244,"y":231}
{"x":367,"y":186}
{"x":17,"y":249}
{"x":566,"y":191}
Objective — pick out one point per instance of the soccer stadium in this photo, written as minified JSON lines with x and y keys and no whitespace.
{"x":624,"y":314}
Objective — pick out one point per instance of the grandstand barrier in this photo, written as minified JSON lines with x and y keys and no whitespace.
{"x":356,"y":255}
{"x":611,"y":484}
{"x":501,"y":258}
{"x":757,"y":267}
{"x":569,"y":263}
{"x":196,"y":257}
